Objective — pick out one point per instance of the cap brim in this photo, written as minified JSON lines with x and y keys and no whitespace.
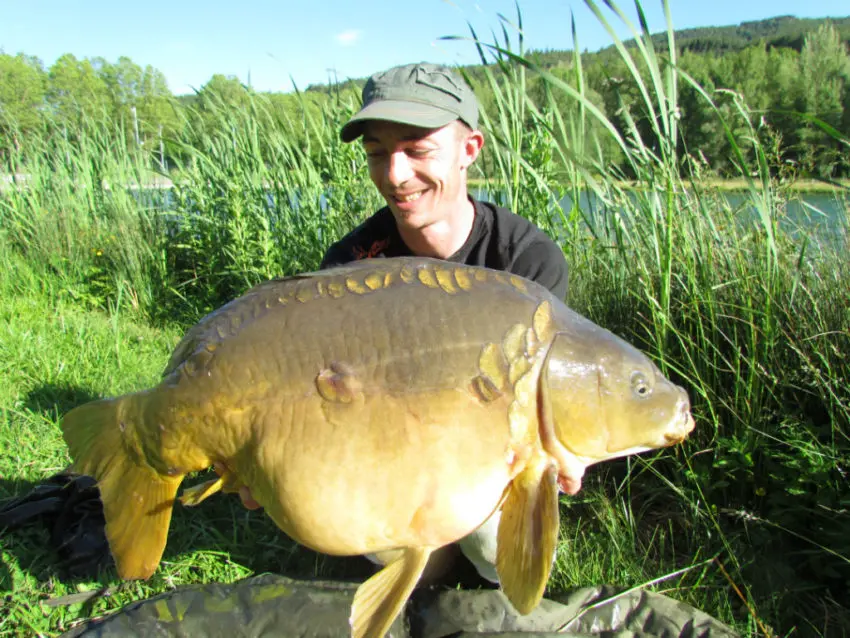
{"x":412,"y":113}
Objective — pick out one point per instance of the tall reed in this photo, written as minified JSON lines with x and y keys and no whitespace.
{"x":745,"y":307}
{"x":74,"y":211}
{"x":250,"y":200}
{"x":252,"y":203}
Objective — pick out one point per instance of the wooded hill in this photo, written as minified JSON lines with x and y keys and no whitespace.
{"x":786,"y":32}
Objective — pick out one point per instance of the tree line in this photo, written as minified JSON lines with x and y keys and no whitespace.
{"x":792,"y":76}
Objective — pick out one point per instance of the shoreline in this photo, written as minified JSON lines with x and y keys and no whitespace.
{"x":802,"y":186}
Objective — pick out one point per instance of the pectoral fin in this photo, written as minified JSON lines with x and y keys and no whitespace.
{"x":528,"y":534}
{"x":379,"y":600}
{"x":226,"y":482}
{"x":193,"y":496}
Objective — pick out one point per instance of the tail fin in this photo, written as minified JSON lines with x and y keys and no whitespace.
{"x":137,"y":501}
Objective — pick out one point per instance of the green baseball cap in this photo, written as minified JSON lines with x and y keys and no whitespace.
{"x":422,"y":94}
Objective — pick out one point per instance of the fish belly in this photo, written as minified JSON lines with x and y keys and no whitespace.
{"x":390,"y":472}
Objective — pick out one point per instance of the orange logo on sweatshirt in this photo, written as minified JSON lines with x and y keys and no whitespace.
{"x":373,"y":251}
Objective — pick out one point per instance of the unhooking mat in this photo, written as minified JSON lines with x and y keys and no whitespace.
{"x":272,"y":606}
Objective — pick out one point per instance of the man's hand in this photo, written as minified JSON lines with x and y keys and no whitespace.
{"x":247,"y":499}
{"x":244,"y":492}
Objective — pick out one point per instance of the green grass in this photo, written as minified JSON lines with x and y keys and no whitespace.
{"x":746,"y":521}
{"x":53,"y":356}
{"x":55,"y":360}
{"x":56,"y":355}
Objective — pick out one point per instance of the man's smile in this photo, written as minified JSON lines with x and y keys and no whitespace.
{"x":409,"y":197}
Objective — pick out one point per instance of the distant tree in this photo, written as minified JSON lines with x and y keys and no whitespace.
{"x":824,"y":92}
{"x":354,"y":85}
{"x":223,"y":90}
{"x":157,"y":110}
{"x":23,"y":83}
{"x":140,"y":98}
{"x":297,"y":112}
{"x":76,"y":92}
{"x":608,"y":76}
{"x":766,"y":80}
{"x":218,"y":103}
{"x":782,"y":78}
{"x":569,"y":109}
{"x":701,"y":131}
{"x":122,"y":79}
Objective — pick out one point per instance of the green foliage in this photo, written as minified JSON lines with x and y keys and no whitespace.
{"x":740,"y":301}
{"x":140,"y":100}
{"x":22,"y":93}
{"x":781,"y":66}
{"x":260,"y":195}
{"x":745,"y":306}
{"x":77,"y":92}
{"x":779,"y":32}
{"x":824,"y":91}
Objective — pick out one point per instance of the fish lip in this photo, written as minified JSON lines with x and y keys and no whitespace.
{"x":684,"y":428}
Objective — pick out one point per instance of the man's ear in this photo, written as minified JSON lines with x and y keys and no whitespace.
{"x":472,"y":145}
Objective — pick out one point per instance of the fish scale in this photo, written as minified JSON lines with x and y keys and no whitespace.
{"x":387,"y":407}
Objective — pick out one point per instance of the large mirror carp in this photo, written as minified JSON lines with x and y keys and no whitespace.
{"x":390,"y":406}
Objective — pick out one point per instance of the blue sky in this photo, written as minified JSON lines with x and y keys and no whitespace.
{"x":190,"y":40}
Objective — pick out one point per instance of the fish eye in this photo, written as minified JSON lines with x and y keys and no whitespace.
{"x":640,"y":385}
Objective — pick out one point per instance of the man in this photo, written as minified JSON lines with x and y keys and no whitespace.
{"x":419,"y":127}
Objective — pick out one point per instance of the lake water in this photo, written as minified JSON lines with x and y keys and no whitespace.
{"x":824,"y":214}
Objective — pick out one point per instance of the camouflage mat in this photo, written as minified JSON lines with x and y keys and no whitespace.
{"x":271,"y":606}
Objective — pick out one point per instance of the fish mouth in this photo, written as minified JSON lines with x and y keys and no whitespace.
{"x":684,"y":428}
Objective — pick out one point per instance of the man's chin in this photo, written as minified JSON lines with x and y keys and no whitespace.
{"x":409,"y":209}
{"x":414,"y":218}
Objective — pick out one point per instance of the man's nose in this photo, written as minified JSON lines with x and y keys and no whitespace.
{"x":398,"y":168}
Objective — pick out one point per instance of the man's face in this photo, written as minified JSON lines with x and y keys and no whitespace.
{"x":421,"y":173}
